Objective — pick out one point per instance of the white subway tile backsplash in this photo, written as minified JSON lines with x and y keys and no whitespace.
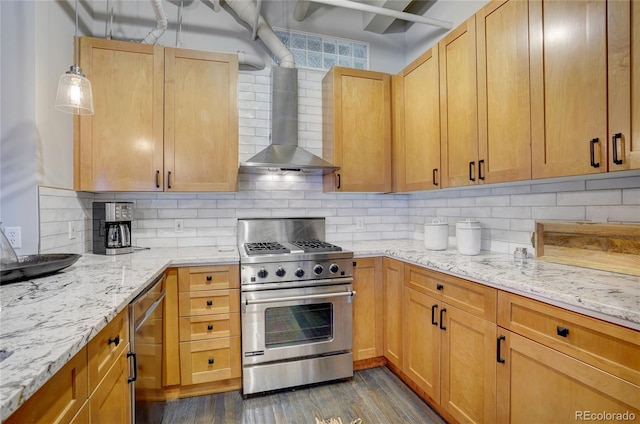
{"x":558,"y":187}
{"x":493,"y":201}
{"x":567,"y":213}
{"x":631,"y":196}
{"x":595,"y":197}
{"x":613,"y":213}
{"x":546,"y":199}
{"x":609,"y":183}
{"x":511,"y":212}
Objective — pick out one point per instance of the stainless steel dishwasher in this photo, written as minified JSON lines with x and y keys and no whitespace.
{"x":146,"y":314}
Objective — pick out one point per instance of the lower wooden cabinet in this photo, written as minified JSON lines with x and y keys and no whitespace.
{"x":210,"y":360}
{"x":367,"y":309}
{"x":60,"y":398}
{"x":537,"y":384}
{"x":111,"y":400}
{"x":393,"y":288}
{"x":450,"y":355}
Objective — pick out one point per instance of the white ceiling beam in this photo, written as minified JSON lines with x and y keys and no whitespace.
{"x":382,"y":11}
{"x":380,"y":23}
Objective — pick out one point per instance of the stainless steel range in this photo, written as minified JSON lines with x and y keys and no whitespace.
{"x":296,"y":302}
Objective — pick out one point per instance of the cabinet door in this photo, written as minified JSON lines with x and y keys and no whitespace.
{"x":459,"y":106}
{"x":468,"y":369}
{"x":417,"y":133}
{"x":504,"y":109}
{"x":111,"y":401}
{"x":537,"y":384}
{"x":119,"y":148}
{"x":422,"y":341}
{"x":624,"y":84}
{"x":367,"y":309}
{"x":357,"y":130}
{"x":201,"y":121}
{"x":393,"y":281}
{"x":568,"y":47}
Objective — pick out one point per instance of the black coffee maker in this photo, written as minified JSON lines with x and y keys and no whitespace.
{"x":112,"y":227}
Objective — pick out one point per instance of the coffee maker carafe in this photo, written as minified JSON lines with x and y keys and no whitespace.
{"x":112,"y":227}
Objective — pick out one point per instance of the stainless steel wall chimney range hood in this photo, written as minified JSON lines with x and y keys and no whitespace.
{"x":284,"y":154}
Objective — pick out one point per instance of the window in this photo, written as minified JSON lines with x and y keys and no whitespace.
{"x":322,"y":52}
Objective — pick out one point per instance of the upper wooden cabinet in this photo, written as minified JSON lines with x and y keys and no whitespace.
{"x":356,"y":130}
{"x":165,"y":119}
{"x":459,"y":106}
{"x":416,"y":105}
{"x":568,"y":45}
{"x":504,"y":111}
{"x":624,"y":84}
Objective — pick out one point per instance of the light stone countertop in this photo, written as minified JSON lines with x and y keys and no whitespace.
{"x":45,"y":322}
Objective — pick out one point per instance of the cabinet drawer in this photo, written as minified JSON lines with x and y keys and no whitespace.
{"x":60,"y":398}
{"x":606,"y":346}
{"x":209,"y":302}
{"x":209,"y":278}
{"x":471,"y":297}
{"x":209,"y":327}
{"x":105,"y":348}
{"x":210,"y":360}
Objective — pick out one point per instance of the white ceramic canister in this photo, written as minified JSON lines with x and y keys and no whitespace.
{"x":468,"y":237}
{"x":436,"y":235}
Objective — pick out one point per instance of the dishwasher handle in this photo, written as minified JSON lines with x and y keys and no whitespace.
{"x":351,"y":293}
{"x":151,"y":310}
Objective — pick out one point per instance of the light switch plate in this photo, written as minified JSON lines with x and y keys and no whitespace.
{"x":14,"y":235}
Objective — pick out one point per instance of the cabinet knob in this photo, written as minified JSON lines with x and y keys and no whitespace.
{"x":115,"y":340}
{"x":210,"y":327}
{"x":209,"y":302}
{"x":209,"y":278}
{"x":439,"y":286}
{"x":562,"y":331}
{"x":211,"y":361}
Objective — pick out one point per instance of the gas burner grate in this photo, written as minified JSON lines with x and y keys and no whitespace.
{"x":265,"y":248}
{"x":316,"y":246}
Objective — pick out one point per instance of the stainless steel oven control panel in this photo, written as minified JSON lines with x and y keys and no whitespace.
{"x":274,"y":272}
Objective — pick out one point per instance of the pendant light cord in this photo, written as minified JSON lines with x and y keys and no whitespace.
{"x":76,"y":37}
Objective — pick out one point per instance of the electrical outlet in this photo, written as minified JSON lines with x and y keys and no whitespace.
{"x":178,"y":226}
{"x":14,"y":236}
{"x":359,"y":223}
{"x":72,"y":230}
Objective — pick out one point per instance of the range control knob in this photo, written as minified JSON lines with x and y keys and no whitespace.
{"x":318,"y":269}
{"x":334,"y":268}
{"x":263,"y":273}
{"x":299,"y":272}
{"x":280,"y":272}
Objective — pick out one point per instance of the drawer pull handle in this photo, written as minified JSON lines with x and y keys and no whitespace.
{"x":211,"y":361}
{"x":499,"y":357}
{"x":442,"y":311}
{"x":115,"y":340}
{"x":563,"y":331}
{"x":439,"y":286}
{"x":209,"y":278}
{"x":209,"y":302}
{"x":210,"y":327}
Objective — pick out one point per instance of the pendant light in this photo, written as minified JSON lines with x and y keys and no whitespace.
{"x":74,"y":89}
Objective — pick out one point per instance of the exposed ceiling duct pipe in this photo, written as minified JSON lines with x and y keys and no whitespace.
{"x":247,"y":11}
{"x":161,"y":23}
{"x":382,"y":11}
{"x":301,"y":9}
{"x":249,"y":59}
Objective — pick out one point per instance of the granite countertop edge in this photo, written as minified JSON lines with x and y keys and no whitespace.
{"x":100,"y":287}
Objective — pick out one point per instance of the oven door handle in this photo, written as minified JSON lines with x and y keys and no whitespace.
{"x":351,"y":294}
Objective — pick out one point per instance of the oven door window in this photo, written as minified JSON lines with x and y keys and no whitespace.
{"x":298,"y":324}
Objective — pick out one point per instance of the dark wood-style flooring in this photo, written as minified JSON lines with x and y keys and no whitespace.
{"x":375,"y":395}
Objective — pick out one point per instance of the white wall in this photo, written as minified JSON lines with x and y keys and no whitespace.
{"x":18,"y":195}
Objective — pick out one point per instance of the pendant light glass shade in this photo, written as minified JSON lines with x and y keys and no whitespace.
{"x":74,"y":93}
{"x":74,"y":89}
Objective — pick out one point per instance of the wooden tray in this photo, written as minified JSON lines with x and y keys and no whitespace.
{"x":609,"y":247}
